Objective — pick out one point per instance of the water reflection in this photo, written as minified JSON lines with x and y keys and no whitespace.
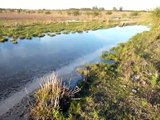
{"x":22,"y":62}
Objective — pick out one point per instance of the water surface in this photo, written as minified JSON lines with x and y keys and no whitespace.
{"x":30,"y":59}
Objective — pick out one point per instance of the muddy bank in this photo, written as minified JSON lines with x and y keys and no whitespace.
{"x":66,"y":73}
{"x":21,"y":110}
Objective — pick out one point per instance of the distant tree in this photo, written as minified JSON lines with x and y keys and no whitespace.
{"x":114,"y":9}
{"x":96,"y":13}
{"x":101,"y":8}
{"x":1,"y":10}
{"x":121,"y":8}
{"x":76,"y":12}
{"x":40,"y":11}
{"x":94,"y":8}
{"x":11,"y":10}
{"x":19,"y":10}
{"x":69,"y":12}
{"x":28,"y":11}
{"x":86,"y":9}
{"x":156,"y":13}
{"x":73,"y":9}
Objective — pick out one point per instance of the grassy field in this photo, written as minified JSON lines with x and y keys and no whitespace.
{"x":24,"y":17}
{"x":25,"y":24}
{"x":126,"y":89}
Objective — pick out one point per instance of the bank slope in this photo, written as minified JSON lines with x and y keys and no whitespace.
{"x":125,"y":86}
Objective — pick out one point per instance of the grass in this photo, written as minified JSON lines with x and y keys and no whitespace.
{"x":126,"y":89}
{"x":134,"y":14}
{"x":51,"y":34}
{"x":109,"y":12}
{"x":14,"y":41}
{"x":2,"y":40}
{"x":52,"y":100}
{"x":47,"y":100}
{"x":28,"y":32}
{"x":26,"y":24}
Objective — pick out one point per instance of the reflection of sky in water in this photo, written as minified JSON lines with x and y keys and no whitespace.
{"x":66,"y":44}
{"x":30,"y":57}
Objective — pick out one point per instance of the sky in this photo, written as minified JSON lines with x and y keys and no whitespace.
{"x":64,"y":4}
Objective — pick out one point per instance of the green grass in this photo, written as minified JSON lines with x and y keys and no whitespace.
{"x":24,"y":26}
{"x":2,"y":40}
{"x":127,"y":89}
{"x":156,"y":15}
{"x":38,"y":30}
{"x":14,"y":41}
{"x":51,"y":34}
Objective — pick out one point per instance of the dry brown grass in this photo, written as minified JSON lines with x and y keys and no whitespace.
{"x":8,"y":18}
{"x":47,"y":97}
{"x":51,"y":98}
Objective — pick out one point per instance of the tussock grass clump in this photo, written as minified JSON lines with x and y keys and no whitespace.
{"x":47,"y":12}
{"x":2,"y":40}
{"x":14,"y":41}
{"x":51,"y":34}
{"x":109,"y":12}
{"x":76,"y":12}
{"x":52,"y":100}
{"x":134,"y":14}
{"x":47,"y":100}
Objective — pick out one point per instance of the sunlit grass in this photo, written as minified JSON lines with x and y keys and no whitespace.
{"x":52,"y":99}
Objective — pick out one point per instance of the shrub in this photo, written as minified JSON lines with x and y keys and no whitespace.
{"x":76,"y":12}
{"x":14,"y":41}
{"x":47,"y":12}
{"x":109,"y":12}
{"x":3,"y":40}
{"x":114,"y":9}
{"x":156,"y":15}
{"x":96,"y":13}
{"x":135,"y":13}
{"x":121,"y":8}
{"x":69,"y":12}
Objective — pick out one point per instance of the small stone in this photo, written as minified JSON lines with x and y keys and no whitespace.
{"x":134,"y":90}
{"x":135,"y":78}
{"x":143,"y":83}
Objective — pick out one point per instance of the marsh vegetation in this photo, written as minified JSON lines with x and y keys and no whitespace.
{"x":26,"y":24}
{"x":127,"y":88}
{"x":125,"y":85}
